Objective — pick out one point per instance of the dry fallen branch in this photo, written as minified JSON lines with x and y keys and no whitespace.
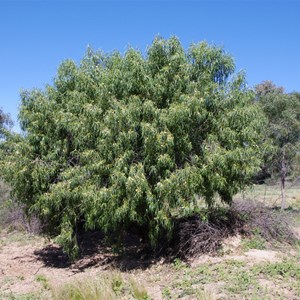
{"x":195,"y":236}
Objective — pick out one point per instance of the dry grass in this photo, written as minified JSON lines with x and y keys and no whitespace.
{"x":110,"y":286}
{"x":270,"y":195}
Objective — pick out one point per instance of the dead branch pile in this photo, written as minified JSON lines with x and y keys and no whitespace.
{"x":204,"y":235}
{"x":196,"y":236}
{"x":271,"y":224}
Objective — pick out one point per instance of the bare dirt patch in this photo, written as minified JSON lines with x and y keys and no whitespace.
{"x":262,"y":255}
{"x":32,"y":266}
{"x":20,"y":267}
{"x":252,"y":256}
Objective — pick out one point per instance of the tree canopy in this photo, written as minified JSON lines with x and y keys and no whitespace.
{"x":5,"y":123}
{"x":283,"y":113}
{"x":134,"y":140}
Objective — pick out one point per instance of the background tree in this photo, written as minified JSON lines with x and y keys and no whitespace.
{"x":267,"y":87}
{"x":283,"y":113}
{"x":134,"y":140}
{"x":5,"y":123}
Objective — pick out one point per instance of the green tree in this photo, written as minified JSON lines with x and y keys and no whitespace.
{"x":283,"y":129}
{"x":5,"y":123}
{"x":134,"y":140}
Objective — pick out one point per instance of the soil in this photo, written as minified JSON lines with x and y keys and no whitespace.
{"x":24,"y":264}
{"x":27,"y":264}
{"x":21,"y":265}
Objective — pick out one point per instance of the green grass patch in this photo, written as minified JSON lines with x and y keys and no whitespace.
{"x":238,"y":280}
{"x":288,"y":269}
{"x":43,"y":280}
{"x":254,"y":242}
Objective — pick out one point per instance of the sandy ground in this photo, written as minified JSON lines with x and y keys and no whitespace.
{"x":20,"y":266}
{"x":28,"y":264}
{"x":23,"y":263}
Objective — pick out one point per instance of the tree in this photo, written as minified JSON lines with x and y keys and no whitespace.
{"x":5,"y":123}
{"x":283,"y":113}
{"x":134,"y":140}
{"x":267,"y":87}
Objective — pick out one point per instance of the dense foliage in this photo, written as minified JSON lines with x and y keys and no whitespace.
{"x":134,"y":140}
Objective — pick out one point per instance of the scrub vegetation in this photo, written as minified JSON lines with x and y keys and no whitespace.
{"x":156,"y":175}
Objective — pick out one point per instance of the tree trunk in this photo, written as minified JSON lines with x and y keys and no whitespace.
{"x":283,"y":176}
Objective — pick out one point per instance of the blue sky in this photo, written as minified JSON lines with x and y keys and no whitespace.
{"x":36,"y":36}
